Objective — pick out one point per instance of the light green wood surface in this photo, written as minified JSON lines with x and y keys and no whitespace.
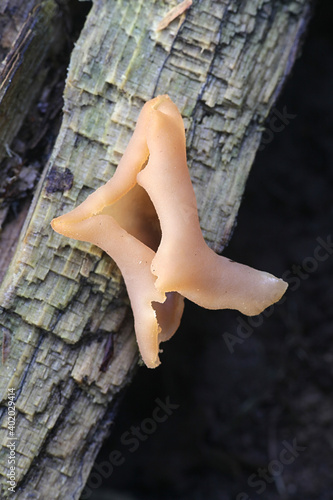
{"x":60,"y":299}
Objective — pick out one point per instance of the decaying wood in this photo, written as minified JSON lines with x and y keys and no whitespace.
{"x":31,"y":33}
{"x":224,"y":67}
{"x":175,"y":12}
{"x":24,"y":50}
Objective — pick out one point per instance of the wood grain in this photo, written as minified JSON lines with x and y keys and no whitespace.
{"x":60,"y":299}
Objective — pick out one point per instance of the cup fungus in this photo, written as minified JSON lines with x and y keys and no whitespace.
{"x":145,"y":217}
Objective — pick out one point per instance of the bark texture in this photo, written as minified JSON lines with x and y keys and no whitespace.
{"x":63,"y":303}
{"x":32,"y":33}
{"x":28,"y":32}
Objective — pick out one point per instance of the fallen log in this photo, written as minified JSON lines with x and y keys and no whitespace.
{"x":67,"y":333}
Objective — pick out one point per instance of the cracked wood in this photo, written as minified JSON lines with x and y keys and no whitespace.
{"x":224,"y":67}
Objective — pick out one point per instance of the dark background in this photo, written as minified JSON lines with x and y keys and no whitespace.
{"x":237,"y":410}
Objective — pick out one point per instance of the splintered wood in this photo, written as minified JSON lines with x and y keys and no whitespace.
{"x":173,"y":14}
{"x":6,"y":341}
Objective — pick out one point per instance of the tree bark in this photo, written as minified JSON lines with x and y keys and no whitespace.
{"x":63,"y":303}
{"x":31,"y":34}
